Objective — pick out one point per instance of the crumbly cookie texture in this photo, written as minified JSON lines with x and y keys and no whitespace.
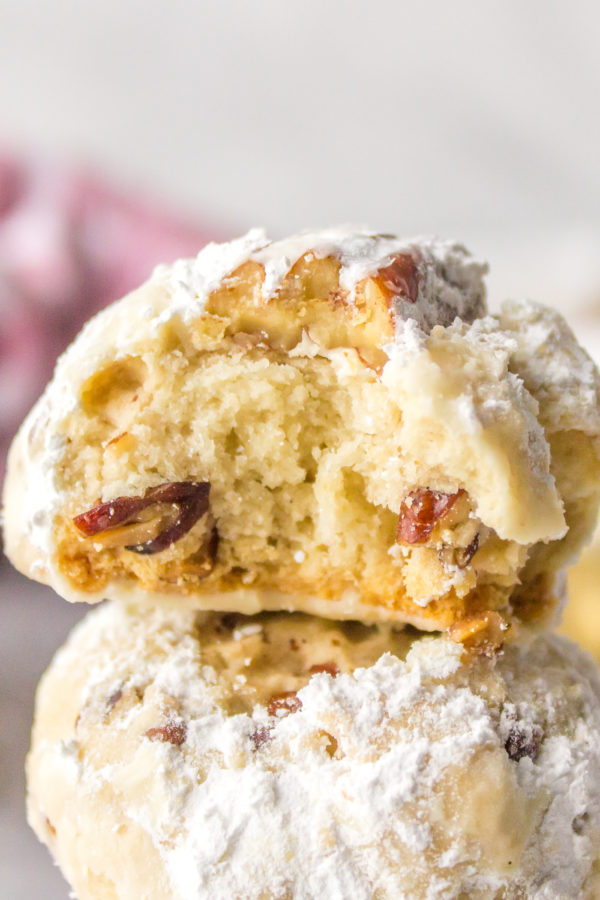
{"x":330,"y":423}
{"x":180,"y":756}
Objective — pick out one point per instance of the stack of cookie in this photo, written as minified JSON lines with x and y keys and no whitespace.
{"x":329,"y":499}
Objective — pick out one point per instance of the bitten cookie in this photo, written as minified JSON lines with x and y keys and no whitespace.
{"x":180,"y":756}
{"x":329,"y":423}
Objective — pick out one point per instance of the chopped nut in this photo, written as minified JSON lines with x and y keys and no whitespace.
{"x":401,"y":277}
{"x":464,"y":555}
{"x":524,"y":741}
{"x":186,"y":502}
{"x":120,"y":444}
{"x":329,"y":667}
{"x":111,"y":702}
{"x":482,"y":633}
{"x":330,"y":744}
{"x":260,"y":736}
{"x":250,"y":340}
{"x":419,"y":513}
{"x":458,"y":557}
{"x":283,"y":704}
{"x":114,"y":698}
{"x":171,"y":733}
{"x":115,"y":439}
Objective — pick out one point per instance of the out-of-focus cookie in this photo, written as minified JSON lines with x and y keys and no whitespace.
{"x":329,"y":423}
{"x":182,"y":756}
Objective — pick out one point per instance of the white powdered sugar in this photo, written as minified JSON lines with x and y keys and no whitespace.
{"x":420,"y":777}
{"x":192,"y":280}
{"x":450,"y":282}
{"x":553,"y":366}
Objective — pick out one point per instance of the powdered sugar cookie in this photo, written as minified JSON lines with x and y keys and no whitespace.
{"x":329,"y":423}
{"x":180,"y":756}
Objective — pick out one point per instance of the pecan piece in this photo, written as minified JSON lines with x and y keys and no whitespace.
{"x":460,"y":557}
{"x":172,"y":733}
{"x":260,"y":736}
{"x":464,"y":556}
{"x":330,"y":743}
{"x":420,"y":512}
{"x":284,"y":703}
{"x":401,"y":277}
{"x":481,"y":634}
{"x":329,"y":667}
{"x":114,"y":698}
{"x":188,"y":501}
{"x":524,"y":741}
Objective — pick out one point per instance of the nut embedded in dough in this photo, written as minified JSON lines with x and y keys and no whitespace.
{"x":481,"y":633}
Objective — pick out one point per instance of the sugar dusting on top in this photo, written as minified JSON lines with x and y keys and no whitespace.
{"x":553,"y":367}
{"x":192,"y":280}
{"x":419,"y":777}
{"x":450,"y":280}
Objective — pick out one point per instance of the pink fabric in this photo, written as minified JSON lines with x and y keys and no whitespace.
{"x":69,"y":244}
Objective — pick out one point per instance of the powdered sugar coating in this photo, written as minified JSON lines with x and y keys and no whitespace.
{"x":414,"y":777}
{"x":553,"y":367}
{"x":450,"y":280}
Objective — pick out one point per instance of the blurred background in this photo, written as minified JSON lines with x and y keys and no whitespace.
{"x":131,"y":133}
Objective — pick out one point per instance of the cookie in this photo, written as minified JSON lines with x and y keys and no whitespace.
{"x":581,"y":617}
{"x":180,"y":756}
{"x":329,"y":423}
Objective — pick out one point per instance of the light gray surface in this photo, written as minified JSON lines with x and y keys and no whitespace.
{"x":33,"y":622}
